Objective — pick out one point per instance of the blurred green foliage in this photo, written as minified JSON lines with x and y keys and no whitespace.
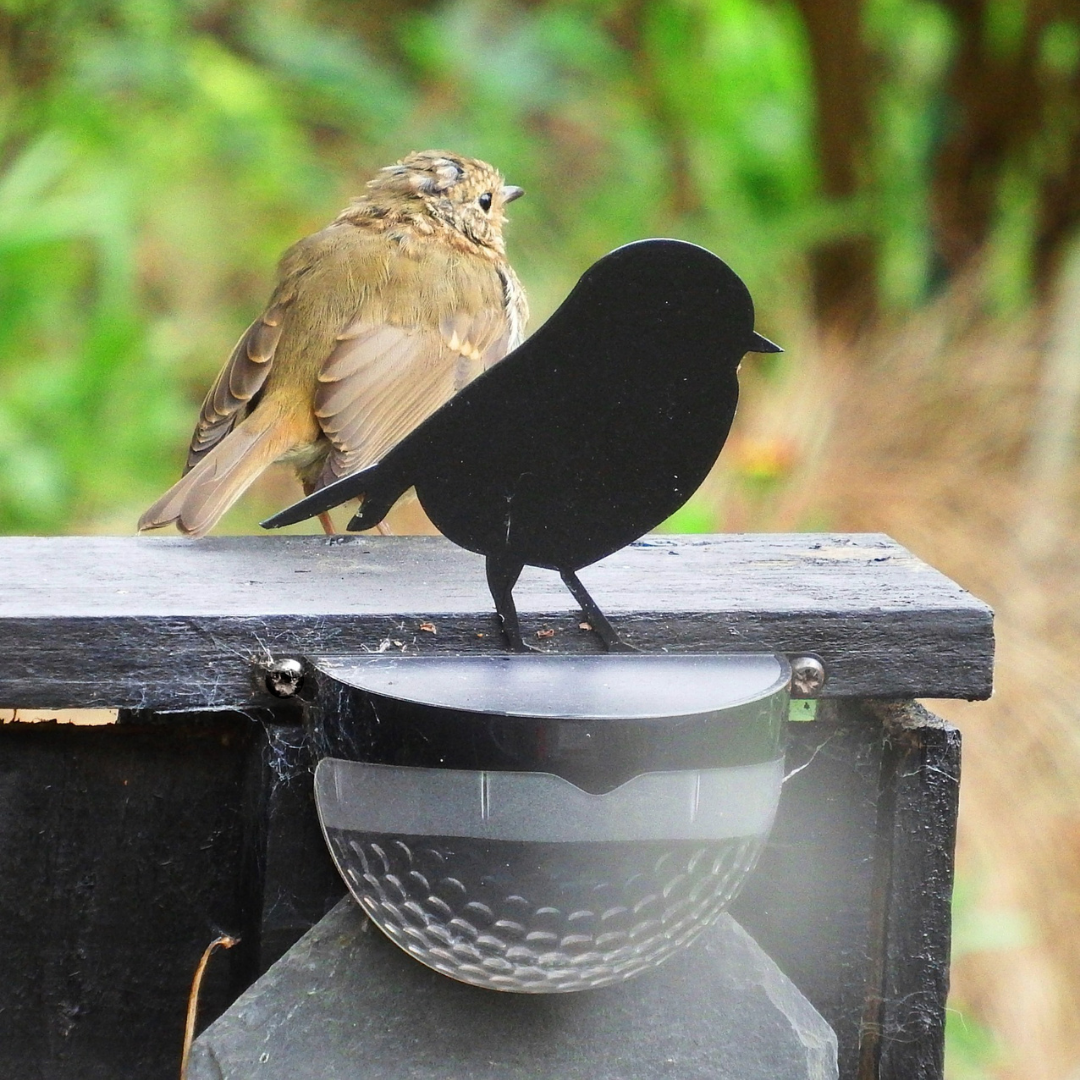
{"x":158,"y":155}
{"x":972,"y":1052}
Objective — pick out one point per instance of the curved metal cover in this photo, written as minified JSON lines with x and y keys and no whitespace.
{"x":582,"y":687}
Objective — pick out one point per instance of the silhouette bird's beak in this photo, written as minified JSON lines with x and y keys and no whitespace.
{"x":762,"y":344}
{"x":510,"y":192}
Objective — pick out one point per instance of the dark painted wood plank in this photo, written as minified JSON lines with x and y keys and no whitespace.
{"x":124,"y":850}
{"x":920,"y":797}
{"x":299,"y":882}
{"x":176,"y":624}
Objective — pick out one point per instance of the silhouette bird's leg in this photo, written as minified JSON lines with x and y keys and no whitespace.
{"x":502,"y":576}
{"x":597,"y":619}
{"x":327,"y":522}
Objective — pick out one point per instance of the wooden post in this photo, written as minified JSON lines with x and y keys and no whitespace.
{"x":125,"y":849}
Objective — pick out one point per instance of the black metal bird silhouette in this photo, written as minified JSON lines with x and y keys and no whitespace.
{"x":591,"y":433}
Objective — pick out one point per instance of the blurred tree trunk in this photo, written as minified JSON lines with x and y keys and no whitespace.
{"x":626,"y":23}
{"x":372,"y":20}
{"x":1014,"y":106}
{"x":844,"y":270}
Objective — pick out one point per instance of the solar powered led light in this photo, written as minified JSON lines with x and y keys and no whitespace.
{"x":542,"y":824}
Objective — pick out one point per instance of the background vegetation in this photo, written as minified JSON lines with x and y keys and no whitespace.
{"x":898,"y":180}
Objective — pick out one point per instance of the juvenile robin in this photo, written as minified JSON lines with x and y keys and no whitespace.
{"x":375,"y":322}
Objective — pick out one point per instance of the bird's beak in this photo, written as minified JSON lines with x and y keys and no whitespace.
{"x":762,"y":344}
{"x":510,"y":193}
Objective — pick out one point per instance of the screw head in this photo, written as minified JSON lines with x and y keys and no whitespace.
{"x":284,"y":677}
{"x":807,"y":676}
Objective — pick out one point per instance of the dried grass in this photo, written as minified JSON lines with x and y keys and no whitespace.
{"x":955,"y":434}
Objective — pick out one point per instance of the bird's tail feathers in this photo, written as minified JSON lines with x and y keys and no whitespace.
{"x":198,"y":500}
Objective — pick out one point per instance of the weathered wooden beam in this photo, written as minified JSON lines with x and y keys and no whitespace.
{"x":917,"y":835}
{"x":168,"y":623}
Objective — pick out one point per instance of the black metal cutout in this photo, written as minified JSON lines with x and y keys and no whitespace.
{"x":591,"y":433}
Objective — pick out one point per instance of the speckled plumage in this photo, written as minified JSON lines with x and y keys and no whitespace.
{"x":375,"y":322}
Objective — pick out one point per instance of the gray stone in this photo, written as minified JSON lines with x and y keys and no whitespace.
{"x":346,"y":1004}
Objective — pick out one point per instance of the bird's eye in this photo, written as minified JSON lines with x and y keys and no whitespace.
{"x":485,"y":201}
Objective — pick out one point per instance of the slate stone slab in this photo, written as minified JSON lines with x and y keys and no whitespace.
{"x":346,"y":1003}
{"x":169,"y":623}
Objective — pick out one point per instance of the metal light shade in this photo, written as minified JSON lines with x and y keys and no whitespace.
{"x":542,"y":824}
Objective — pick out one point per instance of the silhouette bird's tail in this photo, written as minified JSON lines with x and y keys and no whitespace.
{"x":201,"y":496}
{"x":378,"y":487}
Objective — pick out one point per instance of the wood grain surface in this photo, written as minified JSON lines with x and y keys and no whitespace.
{"x":169,"y":623}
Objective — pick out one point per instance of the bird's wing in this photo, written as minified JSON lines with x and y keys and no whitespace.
{"x":381,"y":381}
{"x":235,"y":389}
{"x":237,"y":383}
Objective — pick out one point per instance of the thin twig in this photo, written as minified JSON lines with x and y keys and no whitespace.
{"x":224,"y":942}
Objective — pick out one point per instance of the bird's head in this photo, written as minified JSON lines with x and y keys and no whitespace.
{"x":464,"y":193}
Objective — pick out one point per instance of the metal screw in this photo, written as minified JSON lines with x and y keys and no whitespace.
{"x":284,"y":677}
{"x":807,"y":676}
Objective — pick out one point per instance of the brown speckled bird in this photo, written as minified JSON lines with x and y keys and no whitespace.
{"x":375,"y":322}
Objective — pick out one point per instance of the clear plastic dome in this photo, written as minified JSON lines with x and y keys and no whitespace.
{"x":525,"y":881}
